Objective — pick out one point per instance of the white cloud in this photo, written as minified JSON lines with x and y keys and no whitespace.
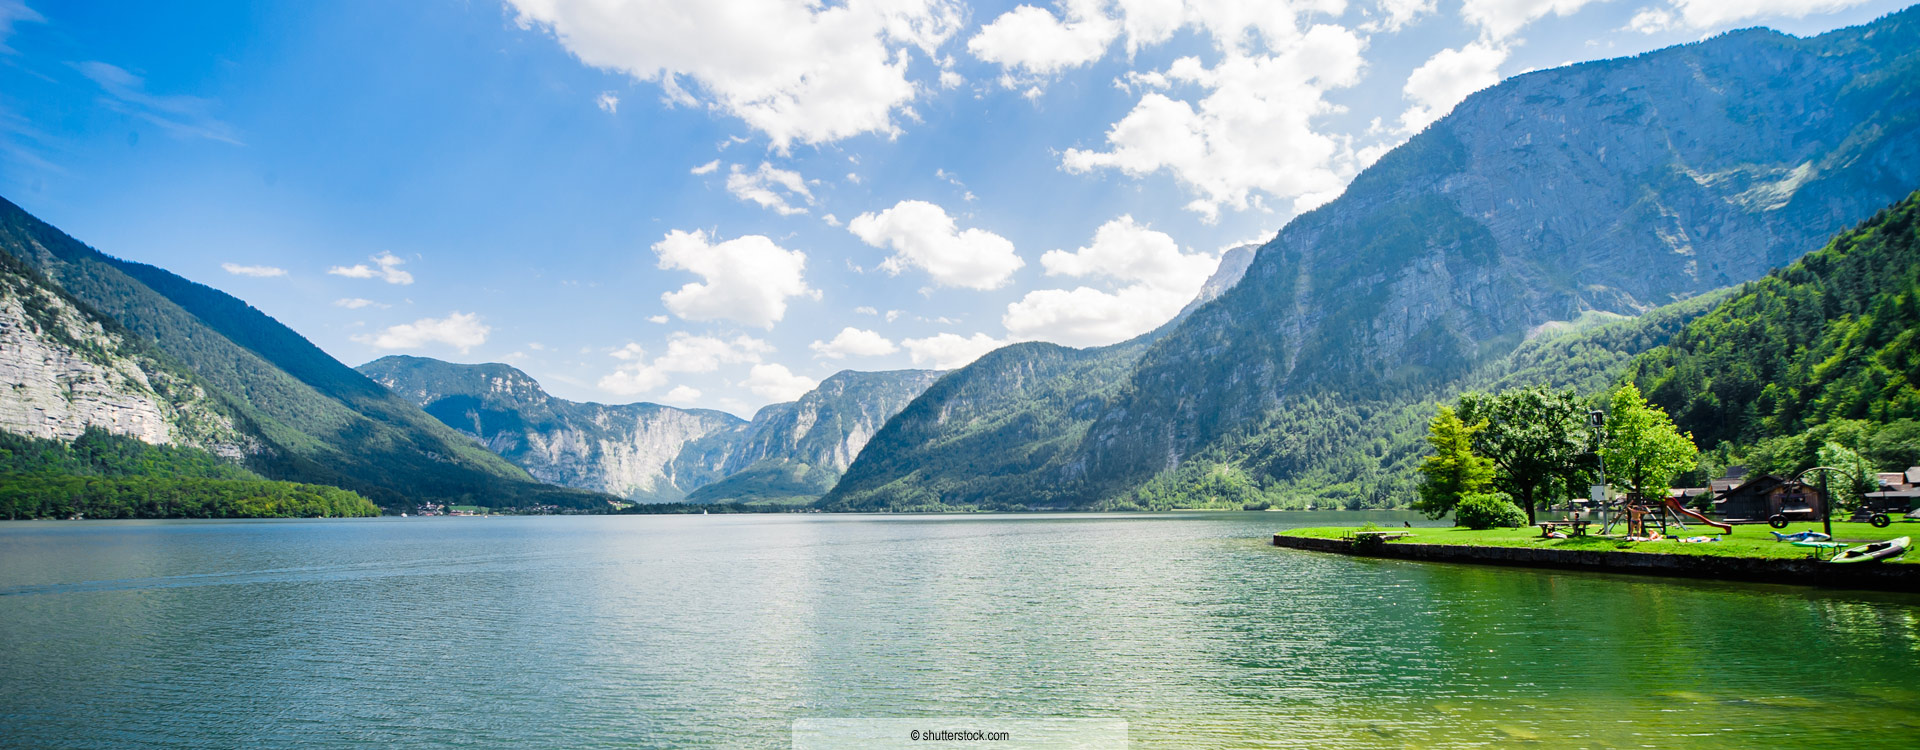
{"x":758,"y":185}
{"x":1036,"y":42}
{"x":1397,"y":14}
{"x":254,"y":271}
{"x":687,"y":353}
{"x":1158,"y":281}
{"x":1499,"y":19}
{"x":748,"y":279}
{"x":608,"y":103}
{"x":947,"y":351}
{"x":1710,"y":14}
{"x":793,"y":69}
{"x":459,"y":330}
{"x":1253,"y":131}
{"x":855,"y":342}
{"x":706,"y":168}
{"x":355,"y":303}
{"x":1446,"y":79}
{"x":632,"y":379}
{"x":656,"y":318}
{"x":776,"y":382}
{"x":865,"y":310}
{"x":682,"y":395}
{"x":1125,"y":250}
{"x":388,"y":270}
{"x":923,"y":236}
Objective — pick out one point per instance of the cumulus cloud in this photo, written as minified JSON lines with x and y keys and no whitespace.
{"x":1034,"y":41}
{"x":1446,"y":79}
{"x":607,"y":102}
{"x":793,"y":69}
{"x":776,"y":382}
{"x":682,"y":395}
{"x":923,"y":236}
{"x":1395,"y":15}
{"x":947,"y":351}
{"x":459,"y":330}
{"x":706,"y":168}
{"x":747,"y":280}
{"x":254,"y":271}
{"x":386,"y":267}
{"x":1155,"y":279}
{"x":1252,"y":131}
{"x":1499,"y":19}
{"x":355,"y":303}
{"x":1708,"y":14}
{"x":758,"y":186}
{"x":685,"y":353}
{"x":855,"y":342}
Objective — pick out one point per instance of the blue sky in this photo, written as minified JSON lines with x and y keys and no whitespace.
{"x":717,"y":203}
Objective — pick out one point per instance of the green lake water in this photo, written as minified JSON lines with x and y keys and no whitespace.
{"x":721,"y":631}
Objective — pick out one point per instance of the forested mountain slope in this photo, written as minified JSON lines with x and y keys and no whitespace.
{"x":1609,"y":187}
{"x":310,"y":418}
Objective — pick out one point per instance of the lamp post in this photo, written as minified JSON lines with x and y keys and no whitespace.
{"x":1826,"y":496}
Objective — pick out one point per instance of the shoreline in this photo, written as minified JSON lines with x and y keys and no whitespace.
{"x":1799,"y":571}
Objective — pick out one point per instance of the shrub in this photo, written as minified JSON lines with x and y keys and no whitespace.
{"x":1485,"y":510}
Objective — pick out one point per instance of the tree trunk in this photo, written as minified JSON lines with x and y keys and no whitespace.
{"x":1528,"y":501}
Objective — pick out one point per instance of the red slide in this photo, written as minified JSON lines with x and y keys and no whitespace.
{"x":1675,"y":506}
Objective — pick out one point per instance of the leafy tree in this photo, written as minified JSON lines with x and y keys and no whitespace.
{"x":1453,"y":471}
{"x":1642,"y":448}
{"x":1857,"y":474}
{"x":1534,"y":436}
{"x":1485,"y":510}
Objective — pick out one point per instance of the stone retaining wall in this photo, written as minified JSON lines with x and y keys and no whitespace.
{"x":1805,"y":572}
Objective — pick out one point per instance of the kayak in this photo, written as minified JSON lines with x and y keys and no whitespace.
{"x":1875,"y":551}
{"x":1801,"y":536}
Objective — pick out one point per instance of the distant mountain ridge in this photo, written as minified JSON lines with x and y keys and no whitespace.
{"x":295,"y":413}
{"x":654,"y":453}
{"x":1612,"y":187}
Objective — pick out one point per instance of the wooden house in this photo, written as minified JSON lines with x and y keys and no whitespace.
{"x":1763,"y":497}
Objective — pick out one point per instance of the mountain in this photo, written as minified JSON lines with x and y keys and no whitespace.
{"x":1831,"y":339}
{"x":242,"y":380}
{"x":951,"y":447}
{"x":798,"y":450}
{"x":1605,"y":188}
{"x":653,"y":453}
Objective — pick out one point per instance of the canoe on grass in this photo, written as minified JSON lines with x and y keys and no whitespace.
{"x":1875,"y":551}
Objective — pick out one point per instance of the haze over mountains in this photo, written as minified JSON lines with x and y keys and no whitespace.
{"x":653,"y":453}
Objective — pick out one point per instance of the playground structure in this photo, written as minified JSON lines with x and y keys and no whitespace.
{"x":1639,"y":515}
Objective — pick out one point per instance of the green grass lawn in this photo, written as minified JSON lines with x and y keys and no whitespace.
{"x":1745,"y":541}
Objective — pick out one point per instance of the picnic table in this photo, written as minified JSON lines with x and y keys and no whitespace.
{"x":1579,"y":528}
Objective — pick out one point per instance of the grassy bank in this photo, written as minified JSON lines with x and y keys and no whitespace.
{"x":1746,"y":541}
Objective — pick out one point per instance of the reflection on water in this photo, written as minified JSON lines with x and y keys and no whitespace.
{"x":719,"y":631}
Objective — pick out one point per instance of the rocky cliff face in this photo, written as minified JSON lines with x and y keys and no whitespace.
{"x":641,"y":452}
{"x":649,"y":452}
{"x":1610,"y":187}
{"x":63,"y":370}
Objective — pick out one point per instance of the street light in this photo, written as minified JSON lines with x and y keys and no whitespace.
{"x":1826,"y":496}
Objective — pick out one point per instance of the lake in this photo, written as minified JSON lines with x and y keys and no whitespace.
{"x":721,"y":631}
